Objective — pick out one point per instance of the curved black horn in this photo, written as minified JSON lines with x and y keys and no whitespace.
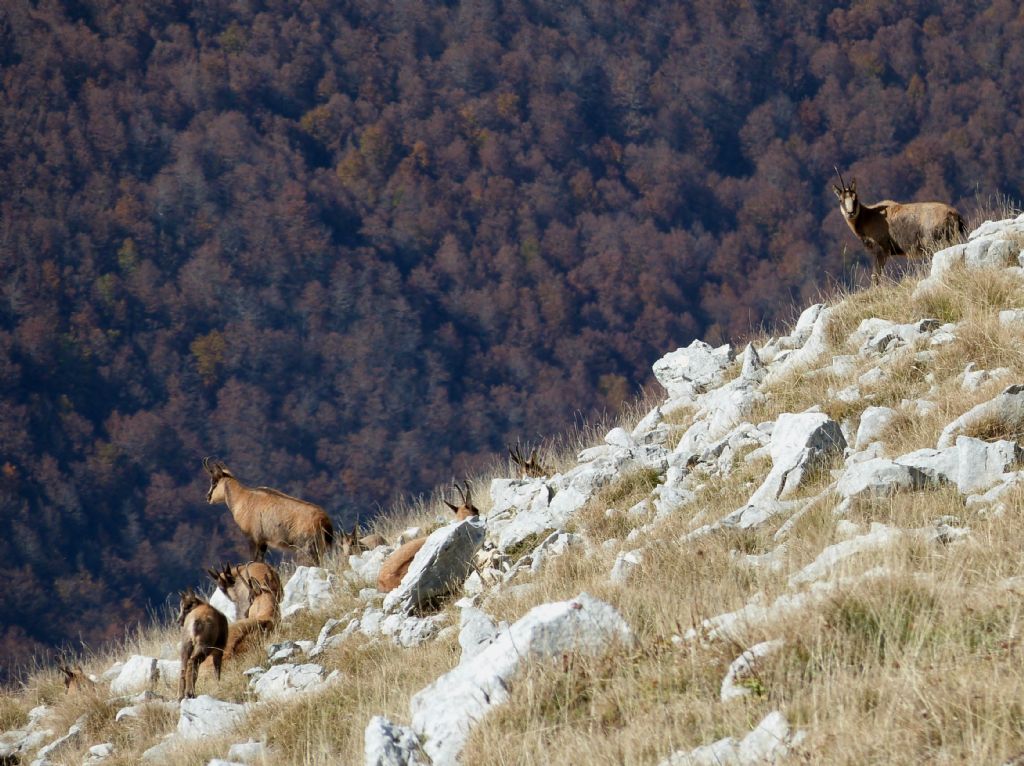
{"x":841,"y":181}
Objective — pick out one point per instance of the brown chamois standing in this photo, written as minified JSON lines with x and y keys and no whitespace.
{"x":75,"y":679}
{"x":204,"y":634}
{"x":397,"y":564}
{"x":890,"y":228}
{"x":530,"y":468}
{"x":268,"y":517}
{"x":232,"y":581}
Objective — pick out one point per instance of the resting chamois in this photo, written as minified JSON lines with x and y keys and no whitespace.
{"x":75,"y":679}
{"x":397,"y":564}
{"x":530,"y":467}
{"x":268,"y":517}
{"x":204,"y":634}
{"x":892,"y":228}
{"x":260,"y":616}
{"x":233,"y":582}
{"x":351,"y":544}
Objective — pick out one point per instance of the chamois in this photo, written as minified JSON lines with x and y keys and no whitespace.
{"x":261,"y":615}
{"x":233,"y":582}
{"x":351,"y":544}
{"x":892,"y":228}
{"x":397,"y":564}
{"x":530,"y":467}
{"x":75,"y":679}
{"x":204,"y":634}
{"x":268,"y":517}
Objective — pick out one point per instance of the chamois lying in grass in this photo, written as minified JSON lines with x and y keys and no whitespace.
{"x":204,"y":634}
{"x":530,"y":467}
{"x":351,"y":544}
{"x":75,"y":679}
{"x":892,"y":228}
{"x":268,"y":517}
{"x":233,"y":581}
{"x":397,"y":564}
{"x":255,"y":589}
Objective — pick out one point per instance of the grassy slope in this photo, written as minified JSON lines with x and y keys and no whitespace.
{"x":922,"y":666}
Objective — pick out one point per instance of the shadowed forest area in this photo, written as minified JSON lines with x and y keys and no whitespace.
{"x":355,"y":248}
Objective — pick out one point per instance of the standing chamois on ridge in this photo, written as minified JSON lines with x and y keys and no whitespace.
{"x":892,"y":228}
{"x":269,"y":517}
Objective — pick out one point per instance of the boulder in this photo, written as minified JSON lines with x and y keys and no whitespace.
{"x":43,"y":757}
{"x":810,"y":352}
{"x":140,"y":672}
{"x":880,"y":536}
{"x":743,"y":667}
{"x":439,"y":568}
{"x":388,"y":744}
{"x":990,"y":252}
{"x":939,"y":466}
{"x":477,"y":631}
{"x":625,"y":564}
{"x":687,"y":372}
{"x":248,"y":752}
{"x":982,"y":464}
{"x":879,"y":478}
{"x":220,"y":601}
{"x":873,"y":422}
{"x":520,"y":509}
{"x":444,"y":711}
{"x":799,"y":444}
{"x":753,"y":368}
{"x":1004,"y":411}
{"x":204,"y":716}
{"x":284,"y":681}
{"x":308,"y":588}
{"x":98,"y":753}
{"x":769,"y":743}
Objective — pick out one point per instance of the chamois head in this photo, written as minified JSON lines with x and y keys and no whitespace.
{"x":189,"y":601}
{"x":466,"y":508}
{"x":530,"y":467}
{"x":350,"y":543}
{"x":849,"y":205}
{"x":217,"y":471}
{"x":75,"y":679}
{"x":224,"y":579}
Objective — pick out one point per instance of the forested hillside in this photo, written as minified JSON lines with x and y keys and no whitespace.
{"x":353,"y":248}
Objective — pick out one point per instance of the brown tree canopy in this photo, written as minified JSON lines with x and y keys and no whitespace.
{"x":353,"y":248}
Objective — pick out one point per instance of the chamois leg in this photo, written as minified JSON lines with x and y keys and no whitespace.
{"x":258,"y":551}
{"x":186,"y":652}
{"x":218,"y":658}
{"x":876,"y":274}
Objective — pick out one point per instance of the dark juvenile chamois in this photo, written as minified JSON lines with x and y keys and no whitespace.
{"x":268,"y":517}
{"x":204,"y":634}
{"x":892,"y":228}
{"x":397,"y":564}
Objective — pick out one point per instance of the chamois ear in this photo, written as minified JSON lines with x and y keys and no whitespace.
{"x":853,"y":184}
{"x":837,"y":191}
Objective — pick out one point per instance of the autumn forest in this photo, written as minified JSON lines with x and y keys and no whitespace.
{"x":354,"y":248}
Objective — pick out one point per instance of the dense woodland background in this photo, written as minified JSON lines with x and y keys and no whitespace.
{"x":353,"y":248}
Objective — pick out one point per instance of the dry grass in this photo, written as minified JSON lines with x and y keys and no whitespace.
{"x":923,"y":665}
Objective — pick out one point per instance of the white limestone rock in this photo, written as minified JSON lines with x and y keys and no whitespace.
{"x":880,"y":536}
{"x":219,"y":600}
{"x":743,"y":667}
{"x":879,"y":478}
{"x":938,"y":466}
{"x":388,"y":744}
{"x":140,"y":672}
{"x":769,"y":743}
{"x":52,"y":750}
{"x":520,"y":509}
{"x":308,"y":588}
{"x":98,"y":753}
{"x":439,"y":568}
{"x":283,"y":681}
{"x":972,"y":378}
{"x":1012,"y":318}
{"x":873,"y":422}
{"x":204,"y":716}
{"x":982,"y":464}
{"x":1005,"y":410}
{"x":477,"y":631}
{"x":810,"y":352}
{"x":687,"y":372}
{"x":366,"y":566}
{"x":753,"y":368}
{"x":248,"y":752}
{"x":626,"y":563}
{"x":444,"y":711}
